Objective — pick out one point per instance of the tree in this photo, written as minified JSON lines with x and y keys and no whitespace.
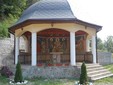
{"x":5,"y":24}
{"x":18,"y":74}
{"x":100,"y":45}
{"x":10,"y":10}
{"x":13,"y":7}
{"x":83,"y":75}
{"x":109,"y":44}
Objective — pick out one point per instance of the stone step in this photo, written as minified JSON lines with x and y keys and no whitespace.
{"x":96,"y":71}
{"x":99,"y":74}
{"x":89,"y":65}
{"x":95,"y":68}
{"x":92,"y":66}
{"x":100,"y":77}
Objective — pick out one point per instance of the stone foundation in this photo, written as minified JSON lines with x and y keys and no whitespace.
{"x":50,"y":72}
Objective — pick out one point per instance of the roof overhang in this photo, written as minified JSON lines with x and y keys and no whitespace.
{"x":87,"y":24}
{"x":45,"y":21}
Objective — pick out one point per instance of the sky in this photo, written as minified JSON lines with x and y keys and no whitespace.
{"x":98,"y":12}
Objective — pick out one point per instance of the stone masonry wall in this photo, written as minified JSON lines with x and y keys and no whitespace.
{"x":49,"y":72}
{"x":6,"y":51}
{"x":105,"y":58}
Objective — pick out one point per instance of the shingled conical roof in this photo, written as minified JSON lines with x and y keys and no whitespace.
{"x":48,"y":10}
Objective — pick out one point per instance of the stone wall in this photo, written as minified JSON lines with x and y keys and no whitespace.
{"x":104,"y":58}
{"x":49,"y":72}
{"x":6,"y":51}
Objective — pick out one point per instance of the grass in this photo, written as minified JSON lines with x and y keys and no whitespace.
{"x":53,"y":82}
{"x":37,"y":81}
{"x":109,"y":67}
{"x":104,"y":81}
{"x":40,"y":81}
{"x":3,"y":80}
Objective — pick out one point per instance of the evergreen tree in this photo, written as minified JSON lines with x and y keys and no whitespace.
{"x":18,"y":74}
{"x":83,"y":75}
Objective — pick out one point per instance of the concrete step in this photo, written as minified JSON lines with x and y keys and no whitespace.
{"x":100,"y":77}
{"x":99,"y":74}
{"x":96,"y":71}
{"x":89,"y":65}
{"x":95,"y":68}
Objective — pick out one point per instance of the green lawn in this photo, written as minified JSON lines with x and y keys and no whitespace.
{"x":3,"y":81}
{"x":109,"y":67}
{"x":37,"y":81}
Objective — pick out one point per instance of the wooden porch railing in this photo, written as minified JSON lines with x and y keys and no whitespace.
{"x":86,"y":57}
{"x":25,"y":58}
{"x":47,"y":58}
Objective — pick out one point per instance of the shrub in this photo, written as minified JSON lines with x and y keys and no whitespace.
{"x":83,"y":75}
{"x":18,"y":75}
{"x":5,"y":71}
